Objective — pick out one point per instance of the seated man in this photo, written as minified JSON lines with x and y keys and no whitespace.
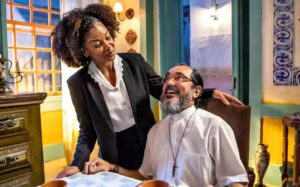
{"x":190,"y":146}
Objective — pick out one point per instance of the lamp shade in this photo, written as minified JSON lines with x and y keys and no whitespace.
{"x":118,"y":7}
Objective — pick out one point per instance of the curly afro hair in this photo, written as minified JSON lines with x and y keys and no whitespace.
{"x":68,"y":35}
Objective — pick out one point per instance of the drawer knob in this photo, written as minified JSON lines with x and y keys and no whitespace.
{"x":7,"y":123}
{"x":8,"y":160}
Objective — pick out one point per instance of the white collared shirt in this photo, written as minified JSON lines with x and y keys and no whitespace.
{"x":208,"y":153}
{"x":116,"y":97}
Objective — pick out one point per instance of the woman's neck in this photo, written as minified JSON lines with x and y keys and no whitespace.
{"x":108,"y":70}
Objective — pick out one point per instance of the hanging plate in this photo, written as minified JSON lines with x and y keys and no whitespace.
{"x":130,"y":36}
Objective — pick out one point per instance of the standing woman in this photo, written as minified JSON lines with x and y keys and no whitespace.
{"x":111,"y":93}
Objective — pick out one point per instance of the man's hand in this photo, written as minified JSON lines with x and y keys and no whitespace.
{"x":226,"y":98}
{"x":69,"y":170}
{"x":97,"y":165}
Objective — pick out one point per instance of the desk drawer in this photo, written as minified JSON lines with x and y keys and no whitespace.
{"x":14,"y":156}
{"x":13,"y":121}
{"x":17,"y":181}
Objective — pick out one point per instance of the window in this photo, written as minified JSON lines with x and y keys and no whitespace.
{"x":29,"y":26}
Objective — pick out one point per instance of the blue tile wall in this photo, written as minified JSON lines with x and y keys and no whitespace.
{"x":284,"y":72}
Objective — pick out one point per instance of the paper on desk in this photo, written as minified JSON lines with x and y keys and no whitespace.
{"x":100,"y":179}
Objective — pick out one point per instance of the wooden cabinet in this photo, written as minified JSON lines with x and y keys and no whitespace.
{"x":21,"y":154}
{"x":291,"y":120}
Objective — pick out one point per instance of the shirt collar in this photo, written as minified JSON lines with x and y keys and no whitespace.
{"x":185,"y":114}
{"x":97,"y":75}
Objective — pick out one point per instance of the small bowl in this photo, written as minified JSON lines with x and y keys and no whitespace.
{"x":55,"y":183}
{"x":155,"y":183}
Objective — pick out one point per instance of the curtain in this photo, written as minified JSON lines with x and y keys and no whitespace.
{"x":70,"y":123}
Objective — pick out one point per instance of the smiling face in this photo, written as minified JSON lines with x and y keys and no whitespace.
{"x":99,"y":45}
{"x":178,"y":90}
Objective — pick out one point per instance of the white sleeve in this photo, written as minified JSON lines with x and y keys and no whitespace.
{"x":223,"y":148}
{"x":146,"y":167}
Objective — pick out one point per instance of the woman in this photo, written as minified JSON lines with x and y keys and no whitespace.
{"x":111,"y":92}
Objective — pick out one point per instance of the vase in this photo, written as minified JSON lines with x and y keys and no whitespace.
{"x":262,"y":159}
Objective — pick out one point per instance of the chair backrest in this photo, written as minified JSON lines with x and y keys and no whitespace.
{"x":238,"y":117}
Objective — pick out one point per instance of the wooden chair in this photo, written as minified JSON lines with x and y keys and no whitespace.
{"x":238,"y":117}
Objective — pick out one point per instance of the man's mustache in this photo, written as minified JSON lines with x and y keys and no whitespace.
{"x":171,"y":88}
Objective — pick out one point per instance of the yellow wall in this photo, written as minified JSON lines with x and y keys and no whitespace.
{"x":52,"y":127}
{"x":273,"y":136}
{"x":134,"y":24}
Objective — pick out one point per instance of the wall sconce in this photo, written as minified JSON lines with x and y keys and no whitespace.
{"x":4,"y":88}
{"x":118,"y":9}
{"x":213,"y":10}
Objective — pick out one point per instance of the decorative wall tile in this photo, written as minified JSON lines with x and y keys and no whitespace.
{"x":296,"y":77}
{"x":282,"y":75}
{"x":283,"y":58}
{"x":284,"y":72}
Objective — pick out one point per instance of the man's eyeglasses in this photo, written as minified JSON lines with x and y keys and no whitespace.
{"x":179,"y":77}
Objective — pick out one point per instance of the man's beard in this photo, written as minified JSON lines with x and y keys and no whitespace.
{"x":174,"y":107}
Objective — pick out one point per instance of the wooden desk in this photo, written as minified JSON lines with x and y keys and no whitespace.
{"x":291,"y":120}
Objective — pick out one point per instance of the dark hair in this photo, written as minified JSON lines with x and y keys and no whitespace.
{"x":196,"y":78}
{"x":195,"y":75}
{"x":68,"y":35}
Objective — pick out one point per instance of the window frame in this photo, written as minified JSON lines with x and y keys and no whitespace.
{"x":35,"y":29}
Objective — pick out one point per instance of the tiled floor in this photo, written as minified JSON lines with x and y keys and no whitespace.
{"x":52,"y":168}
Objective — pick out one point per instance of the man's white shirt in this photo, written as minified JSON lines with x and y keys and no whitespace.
{"x":208,"y":154}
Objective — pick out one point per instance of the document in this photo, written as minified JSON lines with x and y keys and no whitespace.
{"x":100,"y":179}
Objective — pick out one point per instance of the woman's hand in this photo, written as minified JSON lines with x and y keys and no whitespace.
{"x":69,"y":170}
{"x":97,"y":165}
{"x":226,"y":98}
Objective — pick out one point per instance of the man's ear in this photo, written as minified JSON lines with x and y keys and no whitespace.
{"x":198,"y":91}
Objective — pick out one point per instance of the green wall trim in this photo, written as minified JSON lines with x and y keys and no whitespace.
{"x":181,"y":32}
{"x":235,"y":44}
{"x":143,"y":33}
{"x":240,"y":49}
{"x":255,"y":69}
{"x":148,"y":5}
{"x":278,"y":110}
{"x":273,"y":175}
{"x":171,"y":48}
{"x":149,"y":41}
{"x":3,"y":30}
{"x":53,"y":152}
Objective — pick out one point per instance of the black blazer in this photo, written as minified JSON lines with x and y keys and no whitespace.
{"x":141,"y":81}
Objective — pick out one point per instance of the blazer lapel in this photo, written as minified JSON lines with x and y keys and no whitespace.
{"x":130,"y":86}
{"x":98,"y":98}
